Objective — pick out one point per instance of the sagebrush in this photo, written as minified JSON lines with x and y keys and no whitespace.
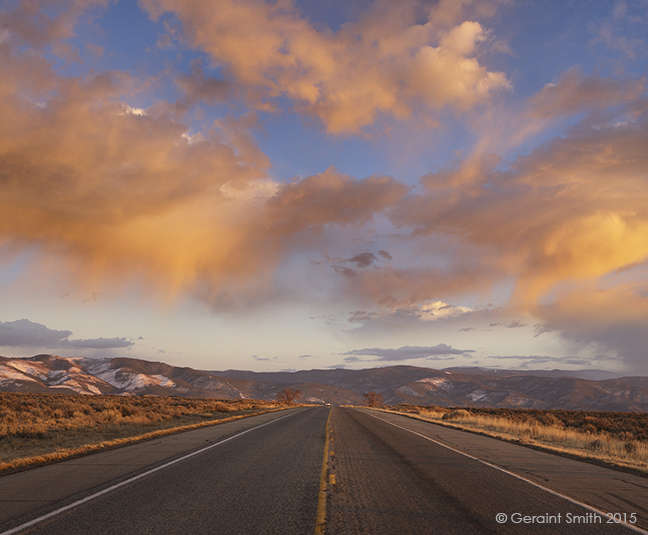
{"x":34,"y":425}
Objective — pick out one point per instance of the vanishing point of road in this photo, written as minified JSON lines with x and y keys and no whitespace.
{"x":305,"y":471}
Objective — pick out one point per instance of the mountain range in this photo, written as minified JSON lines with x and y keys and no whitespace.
{"x":453,"y":387}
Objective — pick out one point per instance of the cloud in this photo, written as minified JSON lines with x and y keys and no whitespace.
{"x":265,"y":359}
{"x":574,"y":92}
{"x":438,"y":310}
{"x":107,"y":189}
{"x":624,"y":31}
{"x":568,"y":216}
{"x":359,"y":316}
{"x":437,"y":352}
{"x":331,"y":197}
{"x":103,"y":188}
{"x":607,"y":321}
{"x":385,"y":63}
{"x":419,"y":310}
{"x":199,"y":88}
{"x":515,"y":324}
{"x":572,"y":210}
{"x":110,"y":190}
{"x":349,"y":267}
{"x":41,"y":23}
{"x":25,"y":333}
{"x":447,"y":75}
{"x":363,"y":260}
{"x":532,"y":360}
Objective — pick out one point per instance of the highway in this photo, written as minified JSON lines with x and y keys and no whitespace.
{"x":391,"y":478}
{"x":264,"y":481}
{"x":386,"y":474}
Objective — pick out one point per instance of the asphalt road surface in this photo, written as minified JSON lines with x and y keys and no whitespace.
{"x":388,"y":474}
{"x":265,"y":481}
{"x":389,"y":480}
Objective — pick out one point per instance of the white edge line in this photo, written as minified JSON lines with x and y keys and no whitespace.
{"x":517,"y":476}
{"x":40,"y":519}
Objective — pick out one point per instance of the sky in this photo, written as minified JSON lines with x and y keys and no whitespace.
{"x":287,"y":184}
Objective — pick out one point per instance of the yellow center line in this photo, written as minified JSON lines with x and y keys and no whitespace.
{"x":320,"y":521}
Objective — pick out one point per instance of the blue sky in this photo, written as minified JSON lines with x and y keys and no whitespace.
{"x":289,"y":185}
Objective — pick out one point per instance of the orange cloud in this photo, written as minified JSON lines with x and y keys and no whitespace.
{"x":572,"y":210}
{"x":106,"y":190}
{"x":114,"y":188}
{"x":43,"y":22}
{"x":385,"y":63}
{"x":574,"y":92}
{"x":331,"y":198}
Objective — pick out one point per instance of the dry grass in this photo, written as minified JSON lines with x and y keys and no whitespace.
{"x":612,"y":438}
{"x":37,"y":428}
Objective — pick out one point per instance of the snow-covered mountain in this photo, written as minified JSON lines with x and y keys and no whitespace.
{"x":50,"y":373}
{"x":397,"y":384}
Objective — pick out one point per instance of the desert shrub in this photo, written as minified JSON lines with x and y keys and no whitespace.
{"x":110,"y":416}
{"x":126,"y":411}
{"x":39,"y":424}
{"x":595,"y":445}
{"x":373,"y":399}
{"x":456,"y":414}
{"x":614,"y":423}
{"x":220,"y":407}
{"x":27,"y":414}
{"x":549,"y":419}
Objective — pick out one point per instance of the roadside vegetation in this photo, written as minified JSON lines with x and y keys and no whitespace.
{"x":373,"y":399}
{"x":288,"y":396}
{"x":37,"y":428}
{"x":617,"y":438}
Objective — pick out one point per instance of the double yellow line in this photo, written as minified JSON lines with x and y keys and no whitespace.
{"x":320,"y":522}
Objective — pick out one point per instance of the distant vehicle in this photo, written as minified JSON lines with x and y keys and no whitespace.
{"x":328,"y":404}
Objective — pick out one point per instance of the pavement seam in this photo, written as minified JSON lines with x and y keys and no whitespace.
{"x":320,"y":519}
{"x":517,"y":476}
{"x":52,"y":514}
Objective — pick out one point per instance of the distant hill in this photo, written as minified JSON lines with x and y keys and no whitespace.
{"x":475,"y":387}
{"x":593,"y":375}
{"x":51,"y":373}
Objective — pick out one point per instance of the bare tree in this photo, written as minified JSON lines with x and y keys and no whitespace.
{"x":288,"y":395}
{"x":372,"y":399}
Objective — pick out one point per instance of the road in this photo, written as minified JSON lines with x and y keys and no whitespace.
{"x":391,"y":478}
{"x":387,"y":475}
{"x":265,"y":481}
